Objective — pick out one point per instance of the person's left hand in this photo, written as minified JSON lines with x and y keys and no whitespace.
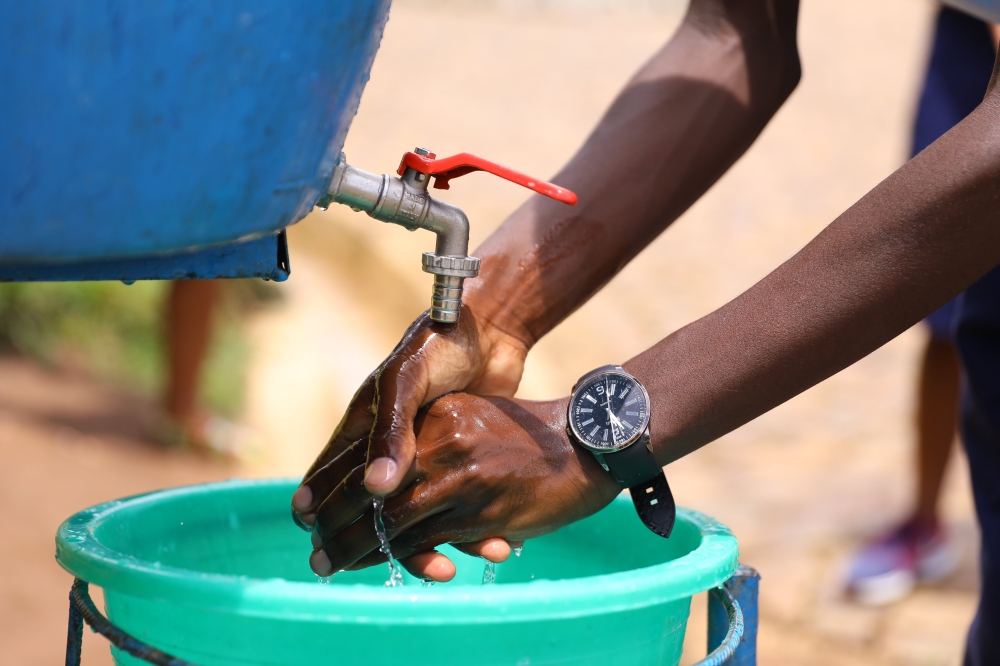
{"x":484,"y":467}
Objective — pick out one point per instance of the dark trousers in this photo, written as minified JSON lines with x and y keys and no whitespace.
{"x":978,"y":340}
{"x":958,"y":72}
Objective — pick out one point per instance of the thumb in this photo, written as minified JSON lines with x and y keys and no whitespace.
{"x":392,"y":445}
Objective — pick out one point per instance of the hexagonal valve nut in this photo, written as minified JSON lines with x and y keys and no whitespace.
{"x":464,"y":267}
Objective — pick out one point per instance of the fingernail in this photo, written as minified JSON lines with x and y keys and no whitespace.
{"x":497,"y":551}
{"x":379,"y":473}
{"x":303,"y":497}
{"x":320,"y":563}
{"x":300,"y":520}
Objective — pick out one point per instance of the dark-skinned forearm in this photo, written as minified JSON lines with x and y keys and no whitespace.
{"x":915,"y":241}
{"x":678,"y":125}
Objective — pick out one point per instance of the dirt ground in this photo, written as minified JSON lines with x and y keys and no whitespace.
{"x":523,"y":84}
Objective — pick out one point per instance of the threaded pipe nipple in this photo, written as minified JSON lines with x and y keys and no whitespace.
{"x":446,"y":300}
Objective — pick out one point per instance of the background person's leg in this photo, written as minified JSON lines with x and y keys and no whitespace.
{"x":937,"y":421}
{"x":888,"y":567}
{"x":978,"y":340}
{"x":983,"y":645}
{"x":190,"y":307}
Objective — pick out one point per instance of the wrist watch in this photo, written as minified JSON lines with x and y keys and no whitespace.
{"x":609,"y":416}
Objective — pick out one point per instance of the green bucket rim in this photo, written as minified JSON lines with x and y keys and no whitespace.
{"x":81,"y":554}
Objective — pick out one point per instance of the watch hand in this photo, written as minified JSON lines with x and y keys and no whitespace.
{"x":607,"y":405}
{"x":615,"y":422}
{"x":611,"y":417}
{"x":611,"y":422}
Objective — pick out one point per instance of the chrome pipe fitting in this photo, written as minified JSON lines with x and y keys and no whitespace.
{"x":446,"y":299}
{"x":449,"y":275}
{"x":406,"y":202}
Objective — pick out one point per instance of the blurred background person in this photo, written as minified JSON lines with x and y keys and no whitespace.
{"x":179,"y":347}
{"x":918,"y":549}
{"x":188,"y":321}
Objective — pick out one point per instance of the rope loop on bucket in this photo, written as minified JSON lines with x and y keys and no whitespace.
{"x":82,"y":609}
{"x":727,"y":648}
{"x":80,"y":601}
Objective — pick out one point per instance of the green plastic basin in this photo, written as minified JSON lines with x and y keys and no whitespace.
{"x":217,"y":574}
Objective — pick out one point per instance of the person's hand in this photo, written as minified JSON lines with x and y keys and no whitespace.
{"x":431,"y":360}
{"x":485,"y":468}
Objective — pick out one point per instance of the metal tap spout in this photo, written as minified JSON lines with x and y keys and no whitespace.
{"x":405,"y":201}
{"x":452,"y":229}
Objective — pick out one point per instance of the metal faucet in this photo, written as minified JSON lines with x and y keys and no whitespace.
{"x":404,"y":200}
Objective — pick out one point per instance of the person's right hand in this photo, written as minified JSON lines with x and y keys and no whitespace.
{"x":431,"y":360}
{"x":486,"y":470}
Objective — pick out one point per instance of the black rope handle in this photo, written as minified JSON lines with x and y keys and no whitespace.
{"x":82,"y":609}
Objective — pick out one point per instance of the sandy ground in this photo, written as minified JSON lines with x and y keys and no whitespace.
{"x":523,"y":84}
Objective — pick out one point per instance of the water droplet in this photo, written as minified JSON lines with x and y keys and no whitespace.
{"x":74,"y":537}
{"x":517,"y":551}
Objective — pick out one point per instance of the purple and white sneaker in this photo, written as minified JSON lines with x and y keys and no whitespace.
{"x":889,"y":567}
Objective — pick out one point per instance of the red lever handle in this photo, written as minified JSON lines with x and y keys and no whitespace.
{"x":447,"y":168}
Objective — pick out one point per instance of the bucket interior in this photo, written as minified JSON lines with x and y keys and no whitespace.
{"x":250,"y":533}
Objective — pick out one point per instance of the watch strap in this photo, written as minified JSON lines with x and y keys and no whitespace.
{"x":655,"y":504}
{"x":632,"y":465}
{"x":635,"y":468}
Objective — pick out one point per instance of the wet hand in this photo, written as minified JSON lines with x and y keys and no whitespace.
{"x":484,"y":469}
{"x":432,"y":359}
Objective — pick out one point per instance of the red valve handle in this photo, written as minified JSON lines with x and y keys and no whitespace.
{"x":447,"y":168}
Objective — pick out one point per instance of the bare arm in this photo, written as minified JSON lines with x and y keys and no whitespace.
{"x":685,"y":117}
{"x":920,"y":237}
{"x":915,"y":241}
{"x":678,"y":125}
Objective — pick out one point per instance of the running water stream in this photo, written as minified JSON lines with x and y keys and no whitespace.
{"x":395,"y":572}
{"x":489,"y":573}
{"x":490,"y":570}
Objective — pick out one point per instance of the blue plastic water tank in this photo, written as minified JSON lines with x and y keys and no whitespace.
{"x":130,"y":127}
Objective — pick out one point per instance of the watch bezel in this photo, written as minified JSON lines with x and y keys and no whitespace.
{"x":574,"y":434}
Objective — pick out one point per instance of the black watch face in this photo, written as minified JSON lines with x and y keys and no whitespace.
{"x":609,"y":411}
